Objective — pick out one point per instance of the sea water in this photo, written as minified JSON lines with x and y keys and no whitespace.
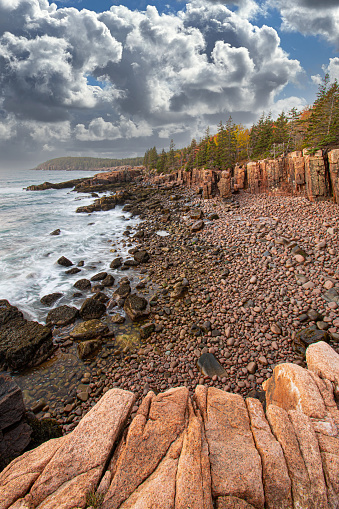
{"x":28,"y":251}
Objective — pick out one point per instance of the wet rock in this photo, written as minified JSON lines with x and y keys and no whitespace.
{"x":82,"y":284}
{"x":65,"y":262}
{"x":74,"y":270}
{"x":9,"y":313}
{"x":101,"y":297}
{"x":136,"y":306}
{"x":116,"y":263}
{"x":62,"y":315}
{"x":48,"y":300}
{"x":89,"y":329}
{"x":122,"y":292}
{"x":108,"y":281}
{"x":92,"y":309}
{"x":130,"y":263}
{"x":307,"y":337}
{"x":22,"y":343}
{"x":86,"y":348}
{"x":56,"y":232}
{"x":146,"y":330}
{"x":199,"y":225}
{"x":99,"y":277}
{"x":118,"y":319}
{"x":141,"y":256}
{"x":209,"y":366}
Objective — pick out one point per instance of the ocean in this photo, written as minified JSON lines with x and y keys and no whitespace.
{"x":28,"y":251}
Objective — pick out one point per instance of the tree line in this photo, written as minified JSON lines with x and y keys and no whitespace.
{"x":87,"y":163}
{"x":315,"y":127}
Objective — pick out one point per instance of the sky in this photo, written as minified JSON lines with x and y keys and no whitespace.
{"x":112,"y":78}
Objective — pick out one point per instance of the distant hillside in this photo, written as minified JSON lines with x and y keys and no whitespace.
{"x":86,"y":163}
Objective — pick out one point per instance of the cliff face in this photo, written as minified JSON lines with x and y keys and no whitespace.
{"x":315,"y":176}
{"x":214,"y":449}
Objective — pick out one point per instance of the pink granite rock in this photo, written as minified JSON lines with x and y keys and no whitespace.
{"x":284,"y":433}
{"x":18,"y":477}
{"x":193,"y":482}
{"x":277,"y":483}
{"x":235,"y":462}
{"x":291,"y":387}
{"x":309,"y":448}
{"x":159,"y":421}
{"x":83,"y":453}
{"x":323,"y":361}
{"x":158,"y":490}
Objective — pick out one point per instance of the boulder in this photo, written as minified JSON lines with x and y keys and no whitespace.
{"x":22,"y":343}
{"x":146,"y":330}
{"x":56,"y":232}
{"x":141,"y":256}
{"x":136,"y":306}
{"x":324,"y":362}
{"x":92,"y":309}
{"x":116,"y":263}
{"x":72,"y":271}
{"x":15,"y":433}
{"x":48,"y":300}
{"x":209,"y":366}
{"x":8,"y":312}
{"x":82,"y":284}
{"x":292,"y":387}
{"x":307,"y":337}
{"x":65,"y":262}
{"x":12,"y":406}
{"x":99,"y":277}
{"x":62,"y":315}
{"x":87,"y":348}
{"x":108,"y":281}
{"x":89,"y":329}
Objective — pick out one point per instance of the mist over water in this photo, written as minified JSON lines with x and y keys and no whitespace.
{"x":28,"y":253}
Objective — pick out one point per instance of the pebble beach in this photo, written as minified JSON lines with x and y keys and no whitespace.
{"x":240,"y":289}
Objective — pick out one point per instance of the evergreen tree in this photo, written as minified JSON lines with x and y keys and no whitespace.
{"x":323,"y":123}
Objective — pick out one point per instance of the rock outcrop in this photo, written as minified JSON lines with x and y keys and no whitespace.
{"x":23,"y":343}
{"x":15,"y":433}
{"x":212,"y":450}
{"x":313,"y":175}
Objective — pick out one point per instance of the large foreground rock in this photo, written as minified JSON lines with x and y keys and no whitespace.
{"x":15,"y":433}
{"x":61,"y":475}
{"x":136,"y":306}
{"x":22,"y":343}
{"x":212,"y":450}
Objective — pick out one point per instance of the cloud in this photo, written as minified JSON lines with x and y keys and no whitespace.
{"x":107,"y":78}
{"x":98,"y":130}
{"x":309,"y":17}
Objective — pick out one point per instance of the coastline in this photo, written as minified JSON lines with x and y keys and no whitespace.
{"x":233,"y":289}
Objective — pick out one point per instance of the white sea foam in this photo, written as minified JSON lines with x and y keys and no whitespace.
{"x":28,"y":253}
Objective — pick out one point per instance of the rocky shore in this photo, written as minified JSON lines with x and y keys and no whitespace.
{"x":216,"y":292}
